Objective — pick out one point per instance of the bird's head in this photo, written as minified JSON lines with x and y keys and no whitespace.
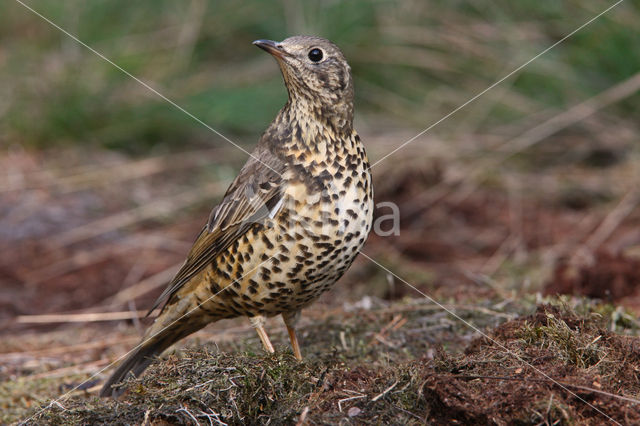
{"x":316,"y":74}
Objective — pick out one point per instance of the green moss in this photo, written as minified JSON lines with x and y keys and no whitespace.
{"x":571,"y":345}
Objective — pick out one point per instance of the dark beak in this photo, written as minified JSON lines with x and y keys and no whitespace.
{"x":271,"y":47}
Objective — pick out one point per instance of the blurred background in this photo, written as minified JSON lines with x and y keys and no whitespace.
{"x":530,"y":190}
{"x":412,"y":61}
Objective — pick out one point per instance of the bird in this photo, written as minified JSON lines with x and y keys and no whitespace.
{"x":289,"y":225}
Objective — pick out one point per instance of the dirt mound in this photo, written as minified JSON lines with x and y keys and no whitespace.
{"x":576,"y":372}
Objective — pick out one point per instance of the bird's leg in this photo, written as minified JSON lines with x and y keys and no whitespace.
{"x":290,"y":320}
{"x":258,"y":323}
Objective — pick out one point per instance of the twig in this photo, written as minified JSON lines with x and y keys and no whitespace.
{"x":386,"y":391}
{"x":303,"y":416}
{"x":343,"y":340}
{"x":86,"y":317}
{"x":213,"y":416}
{"x":57,"y":404}
{"x":145,"y":421}
{"x":188,"y":413}
{"x":67,"y":349}
{"x":199,"y":385}
{"x":348,"y":399}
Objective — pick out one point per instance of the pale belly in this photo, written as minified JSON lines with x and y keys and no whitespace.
{"x":299,"y":253}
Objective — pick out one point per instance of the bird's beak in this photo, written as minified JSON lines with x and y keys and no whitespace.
{"x":271,"y":47}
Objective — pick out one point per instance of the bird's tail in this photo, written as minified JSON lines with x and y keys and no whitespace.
{"x":174,"y":323}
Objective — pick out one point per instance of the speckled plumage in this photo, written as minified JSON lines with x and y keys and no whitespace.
{"x":289,"y":225}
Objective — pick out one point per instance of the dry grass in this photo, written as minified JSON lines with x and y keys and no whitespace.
{"x":374,"y":371}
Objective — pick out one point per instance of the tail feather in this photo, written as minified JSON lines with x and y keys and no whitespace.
{"x":135,"y":364}
{"x":164,"y":332}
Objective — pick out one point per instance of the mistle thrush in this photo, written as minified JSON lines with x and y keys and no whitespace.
{"x":289,"y":225}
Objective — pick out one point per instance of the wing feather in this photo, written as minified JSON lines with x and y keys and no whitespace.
{"x":250,"y":198}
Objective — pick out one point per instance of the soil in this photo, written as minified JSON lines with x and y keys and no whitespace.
{"x":552,"y":367}
{"x":376,"y":350}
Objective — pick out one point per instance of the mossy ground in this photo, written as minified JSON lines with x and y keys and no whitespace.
{"x":561,"y":364}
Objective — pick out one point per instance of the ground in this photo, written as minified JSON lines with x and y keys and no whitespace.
{"x":560,"y":365}
{"x":523,"y":308}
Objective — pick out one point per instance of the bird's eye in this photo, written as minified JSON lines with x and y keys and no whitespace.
{"x":315,"y":55}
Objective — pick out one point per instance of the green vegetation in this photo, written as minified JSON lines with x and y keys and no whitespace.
{"x":413,"y":62}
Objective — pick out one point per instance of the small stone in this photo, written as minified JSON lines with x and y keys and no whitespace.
{"x":354,"y":411}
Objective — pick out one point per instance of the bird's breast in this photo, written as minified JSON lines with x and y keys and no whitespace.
{"x":309,"y":241}
{"x":329,"y":199}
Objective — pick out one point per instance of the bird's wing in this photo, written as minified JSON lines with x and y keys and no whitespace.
{"x":255,"y":194}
